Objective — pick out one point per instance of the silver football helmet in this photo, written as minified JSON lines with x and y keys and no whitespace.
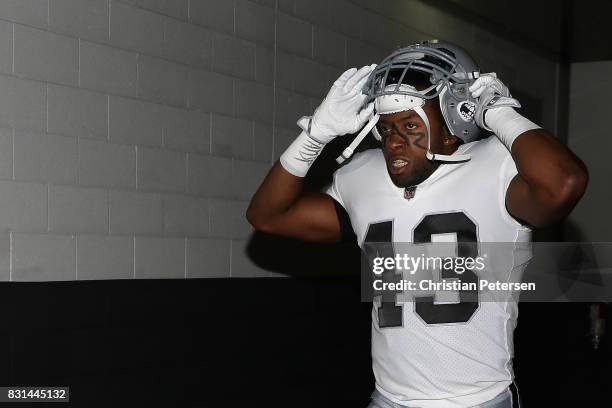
{"x":449,"y":71}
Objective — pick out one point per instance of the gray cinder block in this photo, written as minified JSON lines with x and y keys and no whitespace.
{"x":43,"y":257}
{"x":6,"y":47}
{"x":77,"y":112}
{"x":135,"y":122}
{"x":211,"y":92}
{"x":329,"y":47}
{"x":162,"y":81}
{"x":6,"y":154}
{"x":290,"y":106}
{"x":208,"y":258}
{"x":106,"y":165}
{"x":246,"y":177}
{"x":186,"y":130}
{"x":187,"y":43}
{"x":77,"y":209}
{"x":136,"y":29}
{"x":294,"y":35}
{"x":186,"y":216}
{"x":233,"y":56}
{"x":104,"y":257}
{"x":80,"y":18}
{"x":161,"y":170}
{"x":158,"y":258}
{"x":134,"y":212}
{"x":264,"y":64}
{"x":108,"y":69}
{"x":254,"y":22}
{"x":45,"y":158}
{"x":174,"y":8}
{"x":231,"y":137}
{"x":24,"y":207}
{"x":22,"y":103}
{"x":216,"y":14}
{"x":262,"y":142}
{"x":45,"y":56}
{"x":31,"y":12}
{"x":316,"y":78}
{"x":5,"y":257}
{"x":254,"y":100}
{"x":227,"y":219}
{"x":209,"y":176}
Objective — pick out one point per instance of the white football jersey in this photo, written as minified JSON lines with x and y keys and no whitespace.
{"x":434,"y":354}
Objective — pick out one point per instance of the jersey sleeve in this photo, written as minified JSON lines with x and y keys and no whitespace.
{"x":347,"y":234}
{"x":507,"y":171}
{"x":346,"y":228}
{"x":334,"y":191}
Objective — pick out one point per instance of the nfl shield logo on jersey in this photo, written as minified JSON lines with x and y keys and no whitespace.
{"x":409,"y":192}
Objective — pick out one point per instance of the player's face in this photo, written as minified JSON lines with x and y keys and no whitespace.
{"x":404,"y":144}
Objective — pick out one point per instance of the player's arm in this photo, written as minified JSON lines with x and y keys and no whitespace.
{"x":280,"y":206}
{"x":551,"y":179}
{"x":550,"y":182}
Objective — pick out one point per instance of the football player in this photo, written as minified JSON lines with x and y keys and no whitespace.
{"x":435,"y":178}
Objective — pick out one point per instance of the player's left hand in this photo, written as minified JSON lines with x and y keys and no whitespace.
{"x":490,"y":93}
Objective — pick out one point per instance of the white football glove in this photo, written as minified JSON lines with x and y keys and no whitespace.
{"x":340,"y":113}
{"x":494,"y":101}
{"x":490,"y":93}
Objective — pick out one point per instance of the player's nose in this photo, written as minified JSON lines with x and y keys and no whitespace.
{"x":395,"y":141}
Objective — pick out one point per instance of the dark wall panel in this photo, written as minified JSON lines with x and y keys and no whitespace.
{"x":260,"y":342}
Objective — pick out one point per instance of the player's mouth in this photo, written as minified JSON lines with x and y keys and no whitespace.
{"x":397,"y":165}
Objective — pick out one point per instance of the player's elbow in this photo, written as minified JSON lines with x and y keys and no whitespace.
{"x":558,"y":199}
{"x":258,"y":220}
{"x":572,"y":187}
{"x":563,"y":196}
{"x":253,"y":217}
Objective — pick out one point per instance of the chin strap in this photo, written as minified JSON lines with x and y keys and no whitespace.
{"x":446,"y":158}
{"x":348,"y":152}
{"x":435,"y":156}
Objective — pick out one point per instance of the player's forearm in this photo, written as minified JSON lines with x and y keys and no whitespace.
{"x":274,"y":197}
{"x":551,"y":178}
{"x":279,"y":206}
{"x":554,"y":178}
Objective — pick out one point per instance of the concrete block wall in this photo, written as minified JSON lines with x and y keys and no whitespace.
{"x":589,"y":138}
{"x":133,"y":132}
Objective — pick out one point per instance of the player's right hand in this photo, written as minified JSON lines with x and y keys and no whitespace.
{"x":340,"y":112}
